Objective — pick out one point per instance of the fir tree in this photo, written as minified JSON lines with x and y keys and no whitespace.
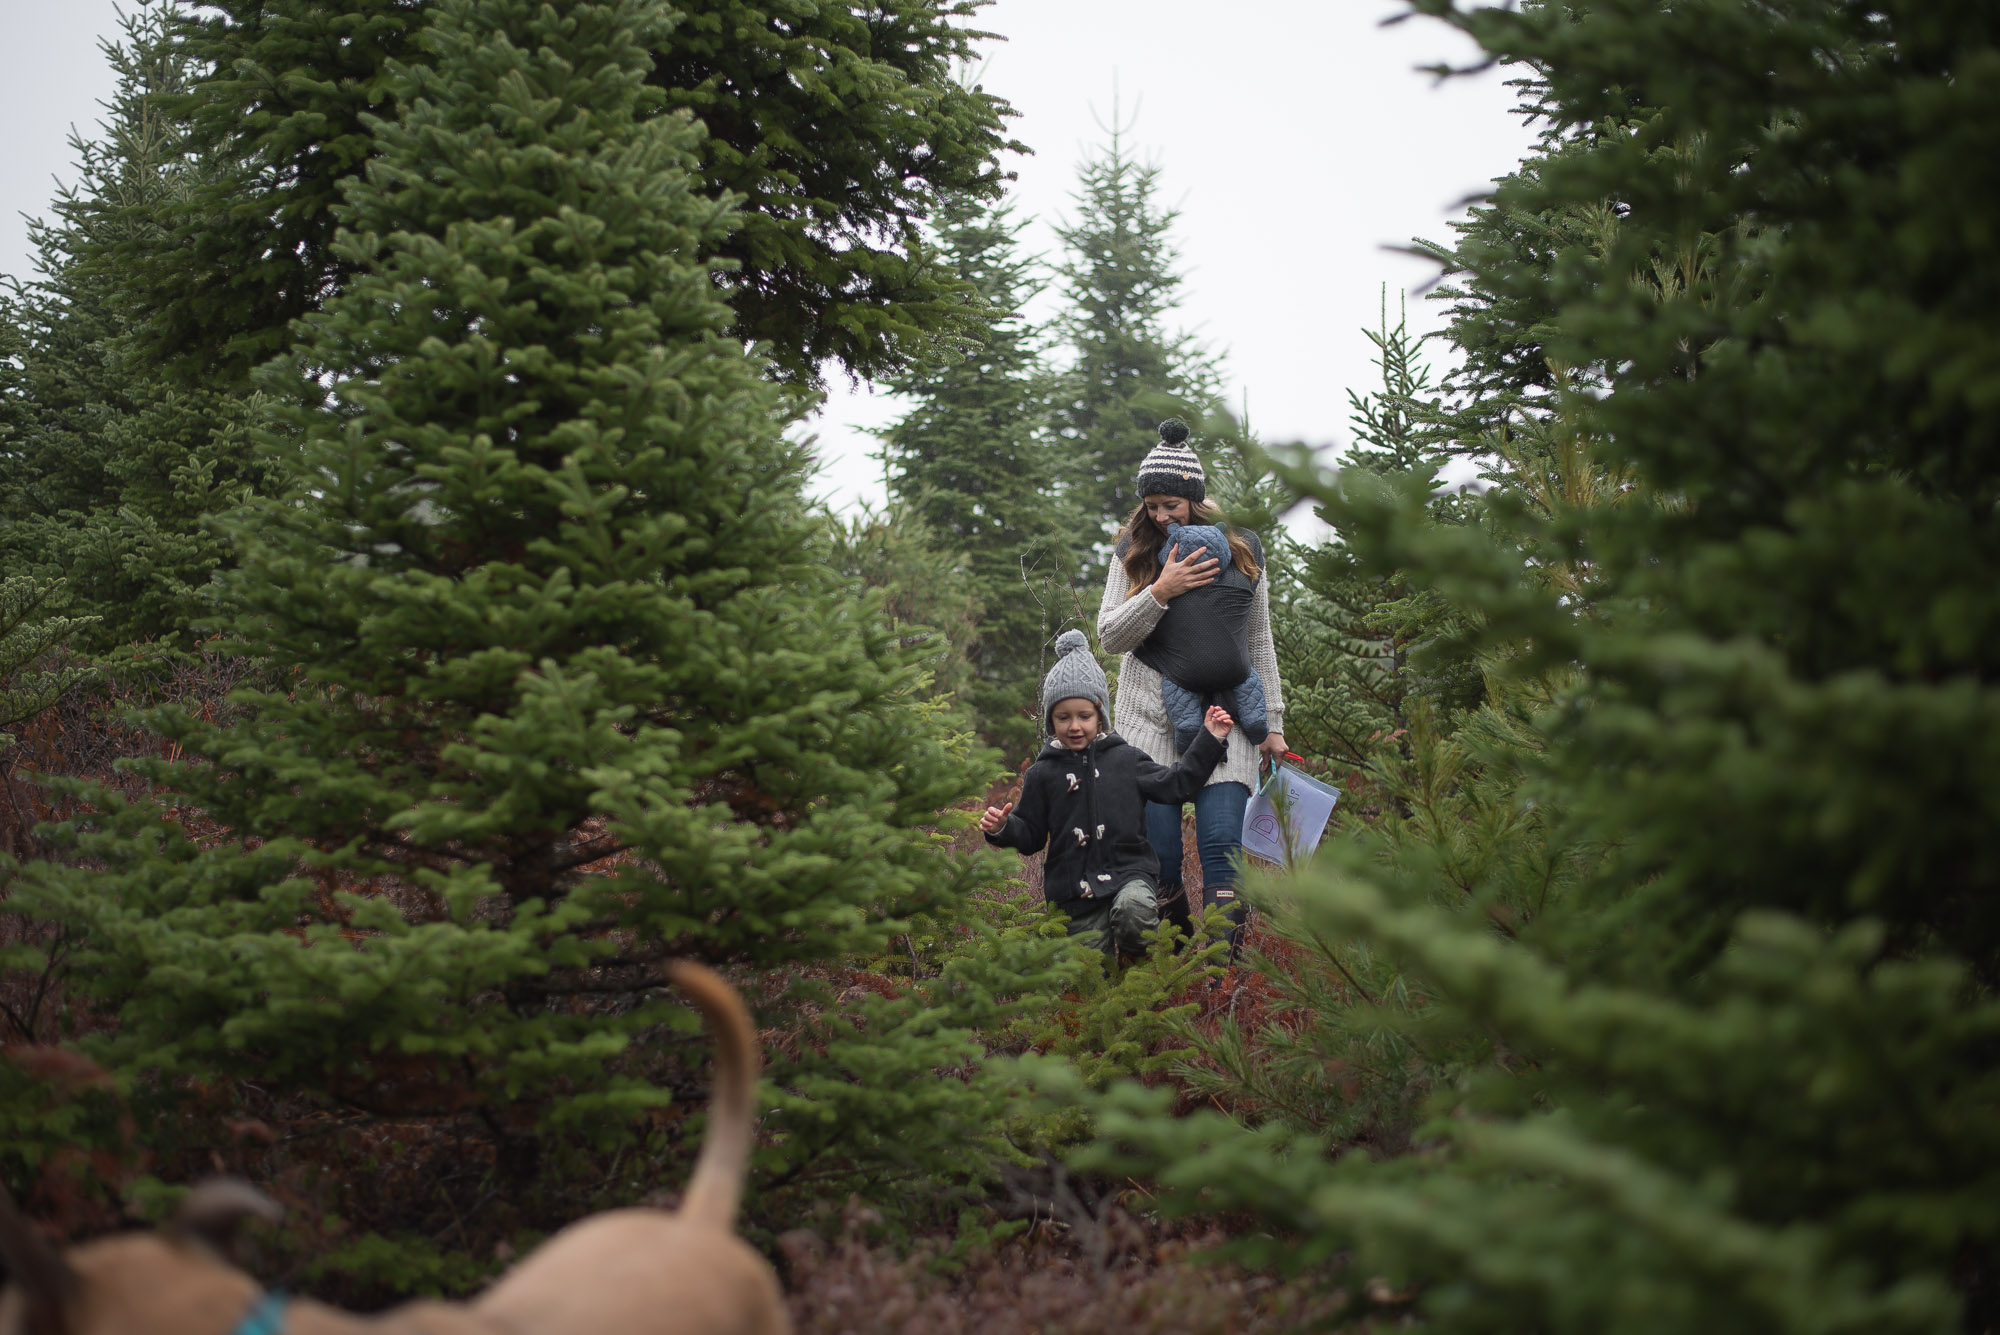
{"x":973,"y":459}
{"x":28,"y":632}
{"x":573,"y":687}
{"x":1425,"y":779}
{"x":926,"y":590}
{"x":1128,"y":370}
{"x":1343,"y":637}
{"x":1736,"y":1070}
{"x":1241,"y":481}
{"x":838,"y":126}
{"x":108,"y":472}
{"x":1500,"y":288}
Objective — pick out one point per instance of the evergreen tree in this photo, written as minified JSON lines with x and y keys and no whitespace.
{"x":838,"y":126}
{"x":108,"y":473}
{"x":1241,"y":481}
{"x":28,"y":632}
{"x":926,"y":591}
{"x":1500,"y":286}
{"x":1343,"y":635}
{"x":973,"y":459}
{"x":1426,"y":779}
{"x":1128,"y":371}
{"x":572,"y":685}
{"x":1735,"y":1071}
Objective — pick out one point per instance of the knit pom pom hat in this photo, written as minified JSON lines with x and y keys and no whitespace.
{"x":1172,"y":468}
{"x":1076,"y":676}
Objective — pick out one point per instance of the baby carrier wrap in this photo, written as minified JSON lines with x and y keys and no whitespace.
{"x":1200,"y":647}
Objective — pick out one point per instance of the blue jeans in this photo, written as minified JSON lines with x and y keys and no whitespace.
{"x":1218,"y":835}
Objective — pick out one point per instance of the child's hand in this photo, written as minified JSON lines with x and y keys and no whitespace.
{"x":996,"y":817}
{"x":1218,"y":722}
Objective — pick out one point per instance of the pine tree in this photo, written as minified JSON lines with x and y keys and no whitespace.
{"x":1739,"y":1071}
{"x":1429,"y":779}
{"x":108,"y":472}
{"x":1241,"y":481}
{"x":973,"y":459}
{"x":1500,"y":283}
{"x":1343,"y":637}
{"x":572,"y":686}
{"x":838,"y":126}
{"x":1128,"y":371}
{"x":28,"y":632}
{"x":926,"y":590}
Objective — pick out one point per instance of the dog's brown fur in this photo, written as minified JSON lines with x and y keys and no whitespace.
{"x":625,"y":1272}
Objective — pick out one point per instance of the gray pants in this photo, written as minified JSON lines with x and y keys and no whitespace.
{"x":1120,"y":922}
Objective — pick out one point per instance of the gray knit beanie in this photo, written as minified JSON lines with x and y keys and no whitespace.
{"x":1076,"y":676}
{"x":1172,"y":468}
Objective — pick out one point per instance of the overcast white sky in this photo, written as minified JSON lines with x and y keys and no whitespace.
{"x":1297,"y":137}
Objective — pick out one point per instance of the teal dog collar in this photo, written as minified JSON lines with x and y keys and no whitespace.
{"x":265,"y":1317}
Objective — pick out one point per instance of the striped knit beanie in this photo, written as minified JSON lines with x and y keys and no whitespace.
{"x":1172,"y":469}
{"x":1076,"y":676}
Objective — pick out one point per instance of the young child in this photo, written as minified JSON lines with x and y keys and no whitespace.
{"x":1199,"y":647}
{"x":1084,"y":800}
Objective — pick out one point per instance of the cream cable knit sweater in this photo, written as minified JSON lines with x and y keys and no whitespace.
{"x":1124,"y":621}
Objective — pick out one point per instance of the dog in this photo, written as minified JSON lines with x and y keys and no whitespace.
{"x":623,"y":1272}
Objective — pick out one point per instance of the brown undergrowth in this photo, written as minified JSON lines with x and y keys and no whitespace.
{"x":1095,"y":1271}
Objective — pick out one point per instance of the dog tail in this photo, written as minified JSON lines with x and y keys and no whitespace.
{"x":716,"y":1188}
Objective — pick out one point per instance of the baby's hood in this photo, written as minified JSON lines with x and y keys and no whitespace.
{"x":1187,"y":536}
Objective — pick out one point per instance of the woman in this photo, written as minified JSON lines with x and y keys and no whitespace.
{"x":1139,"y":589}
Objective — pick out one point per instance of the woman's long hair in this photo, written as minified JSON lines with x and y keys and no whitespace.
{"x":1142,"y":539}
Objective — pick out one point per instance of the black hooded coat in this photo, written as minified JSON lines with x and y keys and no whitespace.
{"x":1088,"y":807}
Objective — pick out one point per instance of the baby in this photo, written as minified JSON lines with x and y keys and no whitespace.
{"x":1200,"y":647}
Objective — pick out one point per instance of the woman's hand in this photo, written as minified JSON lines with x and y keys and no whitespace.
{"x":1273,"y":747}
{"x":1181,"y":573}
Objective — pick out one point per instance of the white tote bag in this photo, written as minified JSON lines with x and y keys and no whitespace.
{"x":1286,"y":816}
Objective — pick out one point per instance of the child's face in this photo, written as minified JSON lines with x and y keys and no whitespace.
{"x":1075,"y":721}
{"x":1166,"y":510}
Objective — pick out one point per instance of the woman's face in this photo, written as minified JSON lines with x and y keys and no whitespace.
{"x":1165,"y":510}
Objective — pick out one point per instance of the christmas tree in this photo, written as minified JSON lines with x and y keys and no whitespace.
{"x":1128,"y":371}
{"x":838,"y":127}
{"x":1734,"y":1069}
{"x":973,"y":458}
{"x":109,"y":471}
{"x":926,"y":589}
{"x":571,"y":687}
{"x":1344,"y":635}
{"x":28,"y":632}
